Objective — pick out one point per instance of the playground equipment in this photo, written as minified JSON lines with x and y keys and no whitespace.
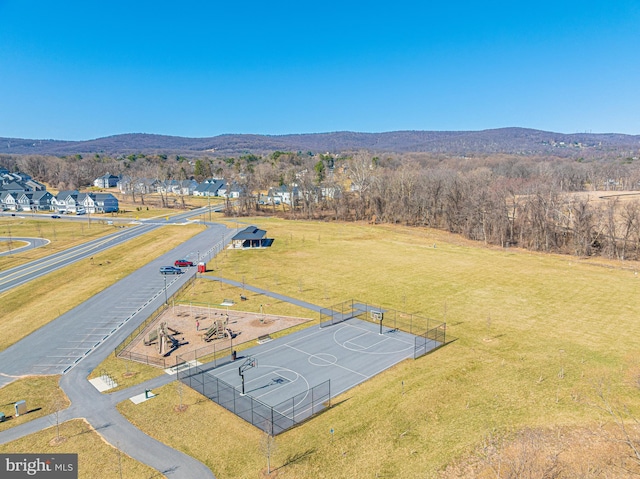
{"x":218,"y":330}
{"x":164,"y":335}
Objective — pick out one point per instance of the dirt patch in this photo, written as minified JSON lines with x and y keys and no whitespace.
{"x":57,"y":441}
{"x":189,"y":327}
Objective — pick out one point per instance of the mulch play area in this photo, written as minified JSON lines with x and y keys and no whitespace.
{"x":193,"y":327}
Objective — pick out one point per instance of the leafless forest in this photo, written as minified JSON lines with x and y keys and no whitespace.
{"x":541,"y":203}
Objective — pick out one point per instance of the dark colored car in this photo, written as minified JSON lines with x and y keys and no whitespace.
{"x":183,"y":263}
{"x":55,"y":216}
{"x":170,"y":270}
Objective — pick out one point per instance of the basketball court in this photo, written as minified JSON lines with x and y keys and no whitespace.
{"x":286,"y":376}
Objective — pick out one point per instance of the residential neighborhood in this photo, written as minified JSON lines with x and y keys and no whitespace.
{"x":19,"y":192}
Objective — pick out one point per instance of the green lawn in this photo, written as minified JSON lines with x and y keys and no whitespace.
{"x":536,"y":334}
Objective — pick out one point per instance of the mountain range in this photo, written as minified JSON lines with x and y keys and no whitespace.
{"x":520,"y":141}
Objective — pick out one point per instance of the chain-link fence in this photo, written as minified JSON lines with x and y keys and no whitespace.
{"x":123,"y":349}
{"x":430,"y":340}
{"x":271,"y":419}
{"x":430,"y":333}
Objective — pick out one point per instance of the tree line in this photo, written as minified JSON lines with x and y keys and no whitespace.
{"x":537,"y":203}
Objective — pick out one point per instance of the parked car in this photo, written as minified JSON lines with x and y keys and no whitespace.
{"x":184,"y":263}
{"x":170,"y":270}
{"x":55,"y":216}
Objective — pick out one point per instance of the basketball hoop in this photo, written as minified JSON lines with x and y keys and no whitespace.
{"x":247,"y":364}
{"x":377,"y":316}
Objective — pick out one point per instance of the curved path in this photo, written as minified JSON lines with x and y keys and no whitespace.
{"x":32,"y":243}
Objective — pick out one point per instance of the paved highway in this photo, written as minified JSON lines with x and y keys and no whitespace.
{"x":22,"y":274}
{"x":29,"y":271}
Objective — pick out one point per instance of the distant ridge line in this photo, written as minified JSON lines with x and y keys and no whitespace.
{"x":510,"y":140}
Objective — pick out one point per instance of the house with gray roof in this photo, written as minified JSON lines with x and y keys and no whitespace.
{"x":41,"y":200}
{"x":14,"y":187}
{"x":283,"y":194}
{"x":96,"y":203}
{"x":18,"y":190}
{"x":106,"y":181}
{"x":65,"y":201}
{"x":209,"y":187}
{"x":105,"y":203}
{"x":178,"y":187}
{"x":9,"y":200}
{"x":34,"y":201}
{"x":23,"y":201}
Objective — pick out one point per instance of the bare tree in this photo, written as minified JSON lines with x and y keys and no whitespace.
{"x":360,"y":170}
{"x":58,"y":403}
{"x":268,"y":447}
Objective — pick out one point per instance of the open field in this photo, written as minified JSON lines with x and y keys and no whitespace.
{"x":535,"y":338}
{"x":602,"y":196}
{"x":537,"y":334}
{"x":96,"y":458}
{"x":54,"y":294}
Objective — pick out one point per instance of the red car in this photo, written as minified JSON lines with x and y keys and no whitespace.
{"x":183,"y":263}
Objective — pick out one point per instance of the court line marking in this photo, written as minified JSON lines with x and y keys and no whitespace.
{"x":229,"y":372}
{"x":361,"y":349}
{"x":355,"y":326}
{"x":336,"y":364}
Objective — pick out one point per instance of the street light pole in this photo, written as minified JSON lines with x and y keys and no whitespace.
{"x":166,"y":301}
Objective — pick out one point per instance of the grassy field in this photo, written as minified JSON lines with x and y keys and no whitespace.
{"x":52,"y":295}
{"x":96,"y":458}
{"x":41,"y":394}
{"x":536,"y":335}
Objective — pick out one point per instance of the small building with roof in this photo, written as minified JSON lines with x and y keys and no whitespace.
{"x":251,"y":237}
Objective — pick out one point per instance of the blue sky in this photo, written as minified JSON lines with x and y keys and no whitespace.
{"x":82,"y":70}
